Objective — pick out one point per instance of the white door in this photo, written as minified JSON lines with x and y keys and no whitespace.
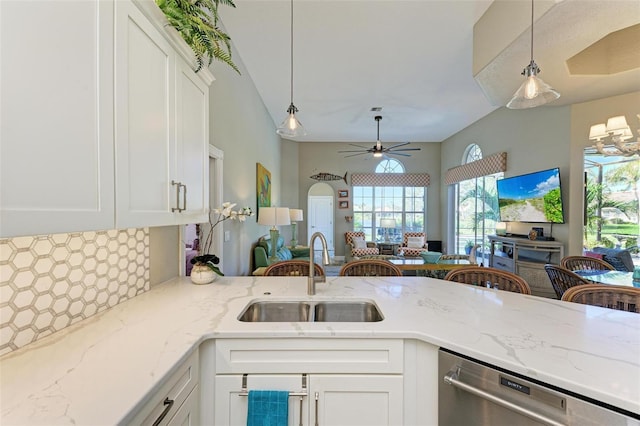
{"x":321,"y":220}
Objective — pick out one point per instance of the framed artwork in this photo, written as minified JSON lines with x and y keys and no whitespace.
{"x":343,"y":204}
{"x":263,"y":188}
{"x":343,"y":193}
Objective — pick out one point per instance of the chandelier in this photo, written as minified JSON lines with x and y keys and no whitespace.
{"x":614,"y":138}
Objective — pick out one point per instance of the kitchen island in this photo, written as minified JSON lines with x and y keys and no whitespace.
{"x":102,"y":369}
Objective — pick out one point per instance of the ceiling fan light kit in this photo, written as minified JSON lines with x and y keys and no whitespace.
{"x":291,"y":127}
{"x":533,"y":91}
{"x":378,"y":150}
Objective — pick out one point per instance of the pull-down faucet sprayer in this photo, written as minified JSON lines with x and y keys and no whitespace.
{"x":311,"y":284}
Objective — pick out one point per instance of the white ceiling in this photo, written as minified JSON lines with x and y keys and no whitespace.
{"x":413,"y":59}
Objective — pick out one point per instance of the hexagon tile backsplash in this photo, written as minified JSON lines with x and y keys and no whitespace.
{"x":49,"y":282}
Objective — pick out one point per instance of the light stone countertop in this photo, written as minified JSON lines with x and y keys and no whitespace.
{"x":97,"y":371}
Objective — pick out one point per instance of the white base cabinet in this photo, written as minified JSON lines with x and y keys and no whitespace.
{"x":332,"y":399}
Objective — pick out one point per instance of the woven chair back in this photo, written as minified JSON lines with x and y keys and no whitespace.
{"x":292,"y":268}
{"x":563,"y":279}
{"x":370,"y":268}
{"x":607,"y":296}
{"x":497,"y":277}
{"x":585,"y":263}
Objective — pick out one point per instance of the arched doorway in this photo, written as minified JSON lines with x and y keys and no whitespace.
{"x":320,"y":199}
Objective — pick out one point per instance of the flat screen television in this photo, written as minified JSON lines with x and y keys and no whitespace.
{"x":534,"y":197}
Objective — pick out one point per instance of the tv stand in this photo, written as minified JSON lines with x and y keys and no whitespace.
{"x":526,"y":258}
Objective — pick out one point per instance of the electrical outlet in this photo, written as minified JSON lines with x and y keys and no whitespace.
{"x":227,"y":236}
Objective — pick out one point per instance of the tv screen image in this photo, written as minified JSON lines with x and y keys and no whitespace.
{"x":534,"y":197}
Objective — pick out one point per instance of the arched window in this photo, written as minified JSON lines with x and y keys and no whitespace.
{"x":406,"y":205}
{"x":390,"y":165}
{"x":476,"y":202}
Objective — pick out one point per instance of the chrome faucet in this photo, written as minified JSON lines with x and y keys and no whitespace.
{"x":311,"y":284}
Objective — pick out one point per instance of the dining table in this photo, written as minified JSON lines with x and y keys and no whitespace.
{"x":611,"y":277}
{"x":417,"y":266}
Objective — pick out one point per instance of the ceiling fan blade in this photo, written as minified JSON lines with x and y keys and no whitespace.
{"x":359,"y":146}
{"x":406,"y":149}
{"x":353,"y":155}
{"x":355,"y":150}
{"x":399,"y":144}
{"x":397,"y":153}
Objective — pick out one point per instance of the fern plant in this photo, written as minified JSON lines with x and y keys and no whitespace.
{"x":197,"y":23}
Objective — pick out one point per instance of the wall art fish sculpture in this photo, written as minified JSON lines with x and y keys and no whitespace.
{"x":322,"y":176}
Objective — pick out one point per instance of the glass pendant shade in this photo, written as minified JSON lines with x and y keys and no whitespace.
{"x":533,"y":92}
{"x":291,"y":127}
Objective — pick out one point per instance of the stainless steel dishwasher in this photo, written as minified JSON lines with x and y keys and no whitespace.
{"x":475,"y":393}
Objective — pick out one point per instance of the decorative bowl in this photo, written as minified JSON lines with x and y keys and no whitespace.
{"x":431,"y":256}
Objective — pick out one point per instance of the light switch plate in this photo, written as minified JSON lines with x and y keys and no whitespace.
{"x":227,"y":236}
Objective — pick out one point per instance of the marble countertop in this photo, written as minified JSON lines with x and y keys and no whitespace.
{"x":97,"y":371}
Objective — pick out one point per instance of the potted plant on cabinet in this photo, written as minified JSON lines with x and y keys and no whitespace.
{"x":205,"y":264}
{"x":197,"y":23}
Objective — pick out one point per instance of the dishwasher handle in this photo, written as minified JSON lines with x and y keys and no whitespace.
{"x":451,"y":378}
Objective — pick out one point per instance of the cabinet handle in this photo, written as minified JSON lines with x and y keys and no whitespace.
{"x":316,"y":422}
{"x":184,"y":198}
{"x":178,"y":185}
{"x":300,"y":423}
{"x":168,"y":403}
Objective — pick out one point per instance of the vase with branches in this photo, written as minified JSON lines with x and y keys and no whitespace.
{"x":216,"y":217}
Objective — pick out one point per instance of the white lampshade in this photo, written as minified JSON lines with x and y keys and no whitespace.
{"x":387,"y":223}
{"x":273,"y":216}
{"x":295,"y":215}
{"x":598,"y":132}
{"x":617,"y":125}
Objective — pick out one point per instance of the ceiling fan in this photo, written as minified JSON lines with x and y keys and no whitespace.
{"x":378,"y":150}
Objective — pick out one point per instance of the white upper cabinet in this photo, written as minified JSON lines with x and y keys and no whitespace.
{"x":56,"y":119}
{"x":99,"y":130}
{"x":161,"y":128}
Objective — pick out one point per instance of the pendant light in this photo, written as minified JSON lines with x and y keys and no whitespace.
{"x":291,"y":127}
{"x":533,"y":92}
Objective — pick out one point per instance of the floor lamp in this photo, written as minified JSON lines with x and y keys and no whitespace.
{"x":296,"y":216}
{"x":273,"y":216}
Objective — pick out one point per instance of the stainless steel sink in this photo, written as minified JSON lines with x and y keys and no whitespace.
{"x":311,"y":311}
{"x":347,"y":312}
{"x":273,"y":311}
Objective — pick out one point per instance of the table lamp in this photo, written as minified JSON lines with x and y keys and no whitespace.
{"x":386,"y":224}
{"x":295,"y":215}
{"x":273,"y":216}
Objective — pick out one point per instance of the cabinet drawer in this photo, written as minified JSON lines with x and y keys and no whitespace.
{"x":309,"y":356}
{"x":176,"y":389}
{"x":503,"y":263}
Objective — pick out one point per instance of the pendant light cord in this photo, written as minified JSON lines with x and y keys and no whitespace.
{"x":531,"y":30}
{"x":292,"y":52}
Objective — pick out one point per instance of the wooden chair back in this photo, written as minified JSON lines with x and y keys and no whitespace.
{"x":607,"y":296}
{"x":479,"y":276}
{"x":370,"y":267}
{"x":585,"y":263}
{"x":292,"y":268}
{"x":563,"y":279}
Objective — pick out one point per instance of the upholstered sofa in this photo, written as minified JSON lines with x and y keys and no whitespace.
{"x":262,"y":251}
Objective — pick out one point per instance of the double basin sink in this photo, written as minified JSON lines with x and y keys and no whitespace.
{"x":311,"y":311}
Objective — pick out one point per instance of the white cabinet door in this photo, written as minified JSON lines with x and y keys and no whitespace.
{"x":56,"y":119}
{"x":145,"y":125}
{"x":188,"y":413}
{"x":367,"y":400}
{"x":192,"y":159}
{"x":231,"y":409}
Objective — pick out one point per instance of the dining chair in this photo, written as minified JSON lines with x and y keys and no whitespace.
{"x":293,"y":268}
{"x":607,"y":296}
{"x":562,"y":279}
{"x":371,"y":268}
{"x":497,"y":277}
{"x":584,"y":263}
